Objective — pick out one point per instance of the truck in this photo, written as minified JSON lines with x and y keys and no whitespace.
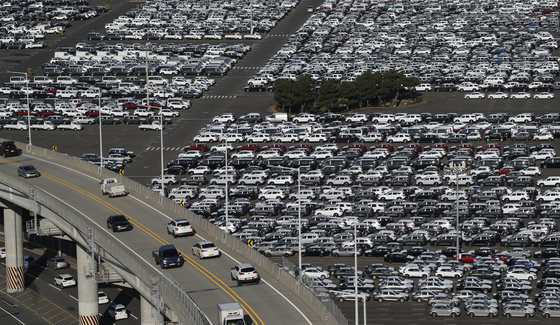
{"x":73,"y":125}
{"x":46,"y":125}
{"x":167,"y":256}
{"x":277,"y":117}
{"x":18,"y":125}
{"x":155,"y":125}
{"x":231,"y":314}
{"x":112,"y":187}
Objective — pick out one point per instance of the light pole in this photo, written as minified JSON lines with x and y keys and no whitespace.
{"x":457,"y":169}
{"x":356,"y":273}
{"x":100,"y":134}
{"x":28,"y":106}
{"x":162,"y":190}
{"x":299,"y":209}
{"x":227,"y":185}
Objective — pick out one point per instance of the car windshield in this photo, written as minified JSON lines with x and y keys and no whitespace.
{"x":169,"y":253}
{"x":119,"y":218}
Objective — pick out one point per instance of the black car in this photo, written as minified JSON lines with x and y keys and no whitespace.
{"x":378,"y":251}
{"x":396,"y":257}
{"x":553,"y":162}
{"x":9,"y":149}
{"x":316,"y":251}
{"x":119,"y":223}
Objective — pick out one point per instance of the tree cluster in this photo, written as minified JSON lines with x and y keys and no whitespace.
{"x":368,"y":89}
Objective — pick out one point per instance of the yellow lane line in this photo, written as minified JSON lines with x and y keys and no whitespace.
{"x":216,"y":280}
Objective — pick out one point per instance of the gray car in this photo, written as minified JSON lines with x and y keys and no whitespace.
{"x":28,"y":171}
{"x":552,"y":311}
{"x":444,"y":310}
{"x":390,"y":295}
{"x":480,"y":310}
{"x":57,"y":263}
{"x":517,"y":311}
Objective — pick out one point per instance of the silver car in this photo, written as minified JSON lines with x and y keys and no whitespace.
{"x":444,"y":310}
{"x":552,"y":311}
{"x":480,"y":310}
{"x":57,"y":263}
{"x":442,"y":298}
{"x":390,"y":295}
{"x":517,"y":311}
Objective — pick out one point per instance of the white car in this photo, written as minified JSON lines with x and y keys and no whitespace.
{"x":449,"y":272}
{"x":252,"y":36}
{"x":315,"y":272}
{"x":531,"y":171}
{"x":180,"y":227}
{"x":549,"y":181}
{"x":244,"y":273}
{"x":224,"y":118}
{"x":545,"y":95}
{"x":520,"y":95}
{"x":259,"y":137}
{"x":233,"y":36}
{"x":475,"y":95}
{"x":498,"y":95}
{"x":206,"y":137}
{"x":2,"y":252}
{"x":118,"y":311}
{"x":544,"y":136}
{"x":206,"y":249}
{"x":414,"y":272}
{"x":102,"y":298}
{"x":65,"y":280}
{"x":521,"y":275}
{"x":399,"y":137}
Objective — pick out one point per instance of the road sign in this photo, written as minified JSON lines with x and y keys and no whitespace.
{"x":182,"y":203}
{"x":54,"y":148}
{"x":121,"y":171}
{"x":250,"y":243}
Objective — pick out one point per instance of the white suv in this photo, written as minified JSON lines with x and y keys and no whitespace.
{"x":245,"y":273}
{"x":65,"y":280}
{"x":180,"y":227}
{"x":118,"y":311}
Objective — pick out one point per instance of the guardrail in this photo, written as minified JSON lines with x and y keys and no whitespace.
{"x":327,"y":311}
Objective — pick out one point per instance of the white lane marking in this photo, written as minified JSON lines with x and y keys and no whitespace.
{"x":57,"y":288}
{"x":133,"y":316}
{"x":73,"y":297}
{"x":14,"y":317}
{"x":163,"y":214}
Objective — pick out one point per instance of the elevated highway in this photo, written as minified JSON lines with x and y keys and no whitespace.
{"x":68,"y":195}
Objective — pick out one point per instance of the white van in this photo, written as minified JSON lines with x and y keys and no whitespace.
{"x":277,"y":117}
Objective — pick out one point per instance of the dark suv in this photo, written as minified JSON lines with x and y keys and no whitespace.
{"x":9,"y":149}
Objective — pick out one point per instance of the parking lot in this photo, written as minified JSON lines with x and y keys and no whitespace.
{"x":491,"y":62}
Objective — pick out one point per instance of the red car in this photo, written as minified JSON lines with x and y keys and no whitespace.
{"x":197,"y":147}
{"x":249,"y":146}
{"x":488,"y":146}
{"x":505,"y":170}
{"x":276,"y":146}
{"x":436,"y":146}
{"x":130,"y":105}
{"x":301,"y":146}
{"x":383,"y":146}
{"x":466,"y":258}
{"x":502,"y":257}
{"x":92,"y":113}
{"x":46,"y":113}
{"x":355,"y":146}
{"x":463,"y":146}
{"x":23,"y":113}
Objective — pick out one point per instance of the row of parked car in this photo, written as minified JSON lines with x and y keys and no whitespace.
{"x":24,"y":25}
{"x":401,"y":198}
{"x":194,"y":20}
{"x":463,"y":46}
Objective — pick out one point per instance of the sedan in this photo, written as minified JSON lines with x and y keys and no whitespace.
{"x":475,"y":95}
{"x":57,"y":263}
{"x":545,"y":95}
{"x":520,"y":95}
{"x":498,"y":95}
{"x":118,"y":223}
{"x":27,"y":171}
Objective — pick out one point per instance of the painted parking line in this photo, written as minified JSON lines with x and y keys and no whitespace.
{"x":133,"y":316}
{"x":14,"y":317}
{"x":73,"y":297}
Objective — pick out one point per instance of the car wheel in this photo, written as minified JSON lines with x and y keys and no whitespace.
{"x":508,"y":315}
{"x":402,"y":300}
{"x":433,"y":314}
{"x":527,"y":315}
{"x":341,"y":299}
{"x":546,"y":315}
{"x":380,"y":299}
{"x":471,"y":314}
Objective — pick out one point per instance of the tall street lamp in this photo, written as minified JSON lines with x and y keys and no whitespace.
{"x":299,"y":209}
{"x":28,"y":106}
{"x":100,"y":134}
{"x":457,"y":169}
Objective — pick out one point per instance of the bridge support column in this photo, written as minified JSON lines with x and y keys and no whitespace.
{"x":87,"y":288}
{"x":148,"y":314}
{"x":14,"y":249}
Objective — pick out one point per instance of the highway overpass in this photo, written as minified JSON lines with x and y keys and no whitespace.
{"x":68,"y":195}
